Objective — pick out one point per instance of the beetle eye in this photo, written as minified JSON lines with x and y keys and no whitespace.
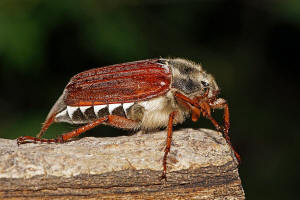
{"x":205,"y":84}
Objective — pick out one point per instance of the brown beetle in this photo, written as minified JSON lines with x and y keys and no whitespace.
{"x":147,"y":94}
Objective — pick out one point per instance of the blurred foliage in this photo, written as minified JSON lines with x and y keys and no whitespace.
{"x":251,"y":47}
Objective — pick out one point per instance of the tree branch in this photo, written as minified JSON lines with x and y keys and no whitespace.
{"x":200,"y":165}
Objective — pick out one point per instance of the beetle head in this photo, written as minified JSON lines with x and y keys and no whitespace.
{"x":190,"y":79}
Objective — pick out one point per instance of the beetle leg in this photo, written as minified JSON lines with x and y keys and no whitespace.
{"x":168,"y":144}
{"x":196,"y":112}
{"x":122,"y":122}
{"x":205,"y":107}
{"x":30,"y":139}
{"x":76,"y":132}
{"x":222,"y":104}
{"x":113,"y":120}
{"x":64,"y":137}
{"x":46,"y":125}
{"x":186,"y":99}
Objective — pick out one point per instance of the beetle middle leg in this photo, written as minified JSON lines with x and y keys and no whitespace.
{"x":168,"y":144}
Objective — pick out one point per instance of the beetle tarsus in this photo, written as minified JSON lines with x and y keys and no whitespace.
{"x":163,"y":176}
{"x":30,"y":139}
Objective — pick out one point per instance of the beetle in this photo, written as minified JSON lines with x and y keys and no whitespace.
{"x":146,"y":94}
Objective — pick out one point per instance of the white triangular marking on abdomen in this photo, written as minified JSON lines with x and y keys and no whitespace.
{"x":126,"y":106}
{"x":84,"y":108}
{"x":71,"y":110}
{"x":61,"y":114}
{"x":111,"y":107}
{"x":98,"y":107}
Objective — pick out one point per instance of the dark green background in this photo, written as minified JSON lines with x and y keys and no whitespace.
{"x":251,"y":47}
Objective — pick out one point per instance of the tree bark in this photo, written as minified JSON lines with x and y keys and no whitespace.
{"x":200,"y":166}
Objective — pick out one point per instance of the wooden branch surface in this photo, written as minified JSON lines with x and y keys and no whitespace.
{"x":200,"y":166}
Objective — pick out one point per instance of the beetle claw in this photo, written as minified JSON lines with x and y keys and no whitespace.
{"x":163,"y":176}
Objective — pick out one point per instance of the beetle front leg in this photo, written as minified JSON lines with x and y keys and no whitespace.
{"x":222,"y":104}
{"x":168,"y":144}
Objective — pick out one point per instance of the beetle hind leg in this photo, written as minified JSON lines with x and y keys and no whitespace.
{"x":46,"y":125}
{"x":63,"y":138}
{"x":113,"y":120}
{"x":30,"y":139}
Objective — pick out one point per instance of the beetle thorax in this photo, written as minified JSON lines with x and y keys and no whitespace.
{"x":189,"y":78}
